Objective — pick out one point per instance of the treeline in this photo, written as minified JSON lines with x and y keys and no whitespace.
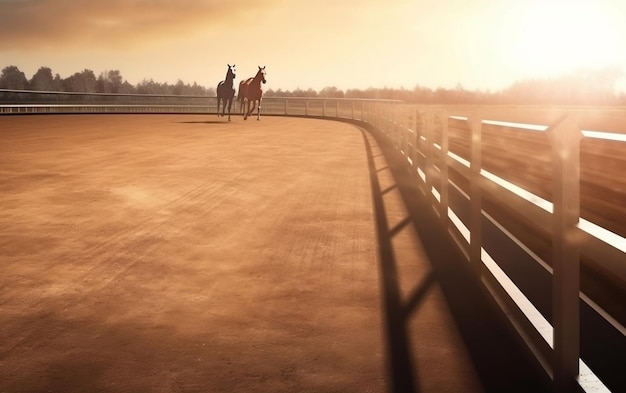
{"x":86,"y":81}
{"x":585,"y":87}
{"x":418,"y":94}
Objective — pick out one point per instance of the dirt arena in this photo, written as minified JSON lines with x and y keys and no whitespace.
{"x":184,"y":253}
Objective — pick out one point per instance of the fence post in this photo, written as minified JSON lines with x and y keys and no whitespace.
{"x":387,"y":116}
{"x":420,"y":143}
{"x":443,"y":203}
{"x":411,"y":136}
{"x":565,"y":137}
{"x":429,"y":159}
{"x":395,"y":130}
{"x":400,"y":126}
{"x":324,"y":108}
{"x":403,"y":129}
{"x":382,"y":113}
{"x":406,"y":121}
{"x":475,"y":224}
{"x":306,"y":108}
{"x":286,"y":106}
{"x":382,"y":110}
{"x":376,"y":116}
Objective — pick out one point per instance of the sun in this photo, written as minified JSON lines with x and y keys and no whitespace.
{"x":555,"y":37}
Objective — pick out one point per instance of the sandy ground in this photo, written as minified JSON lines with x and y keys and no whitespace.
{"x":182,"y":253}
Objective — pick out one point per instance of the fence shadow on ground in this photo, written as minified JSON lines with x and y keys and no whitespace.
{"x":499,"y":359}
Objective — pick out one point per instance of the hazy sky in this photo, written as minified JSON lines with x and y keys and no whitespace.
{"x":480,"y":44}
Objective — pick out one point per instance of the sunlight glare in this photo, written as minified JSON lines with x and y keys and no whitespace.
{"x":558,"y":37}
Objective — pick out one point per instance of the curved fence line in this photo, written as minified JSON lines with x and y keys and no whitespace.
{"x":553,"y":332}
{"x":450,"y":151}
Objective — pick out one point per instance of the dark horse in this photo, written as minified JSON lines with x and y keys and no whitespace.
{"x":250,"y":91}
{"x":226,"y":92}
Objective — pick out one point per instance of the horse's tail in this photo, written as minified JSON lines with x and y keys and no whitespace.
{"x":240,"y":92}
{"x":241,"y":96}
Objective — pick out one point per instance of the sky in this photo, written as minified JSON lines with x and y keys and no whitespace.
{"x":477,"y":44}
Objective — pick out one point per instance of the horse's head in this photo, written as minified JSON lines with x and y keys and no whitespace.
{"x":230,"y":74}
{"x":261,"y":74}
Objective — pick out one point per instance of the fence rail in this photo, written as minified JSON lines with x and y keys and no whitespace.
{"x":515,"y":187}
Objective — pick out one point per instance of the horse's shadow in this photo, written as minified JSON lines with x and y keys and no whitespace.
{"x":205,"y":122}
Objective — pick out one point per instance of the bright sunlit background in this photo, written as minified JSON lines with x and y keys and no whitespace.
{"x":553,"y":37}
{"x":480,"y":44}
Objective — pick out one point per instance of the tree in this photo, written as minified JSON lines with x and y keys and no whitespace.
{"x":127,"y":88}
{"x":196,"y":90}
{"x":13,"y":78}
{"x":588,"y":86}
{"x":151,"y":87}
{"x":84,"y":81}
{"x":43,"y":80}
{"x":58,"y":82}
{"x":304,"y":93}
{"x":109,"y":82}
{"x":115,"y":79}
{"x":356,"y":93}
{"x":331,"y":92}
{"x":179,"y":88}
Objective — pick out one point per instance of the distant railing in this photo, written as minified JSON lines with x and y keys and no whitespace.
{"x":27,"y":101}
{"x":520,"y":229}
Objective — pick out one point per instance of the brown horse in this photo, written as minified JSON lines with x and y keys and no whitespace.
{"x":226,"y":92}
{"x":250,"y":92}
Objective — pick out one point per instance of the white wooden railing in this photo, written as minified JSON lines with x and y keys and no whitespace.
{"x":422,"y":135}
{"x":554,"y":341}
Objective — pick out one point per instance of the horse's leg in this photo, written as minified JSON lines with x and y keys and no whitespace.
{"x":258,"y":113}
{"x":250,"y":110}
{"x":245,"y":111}
{"x":218,"y":106}
{"x":230,"y":102}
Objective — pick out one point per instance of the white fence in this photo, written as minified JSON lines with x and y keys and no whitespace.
{"x":449,"y":149}
{"x":552,"y":332}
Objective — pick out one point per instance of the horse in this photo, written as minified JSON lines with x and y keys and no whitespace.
{"x":226,"y":92}
{"x":250,"y":91}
